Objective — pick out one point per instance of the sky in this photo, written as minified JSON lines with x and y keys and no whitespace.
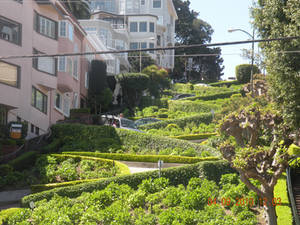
{"x":223,"y":15}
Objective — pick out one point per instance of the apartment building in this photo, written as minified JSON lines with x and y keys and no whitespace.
{"x":149,"y":23}
{"x":41,"y":90}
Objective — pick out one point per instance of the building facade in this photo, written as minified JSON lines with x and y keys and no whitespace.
{"x":41,"y":90}
{"x":149,"y":23}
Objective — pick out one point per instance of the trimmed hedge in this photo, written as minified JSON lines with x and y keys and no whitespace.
{"x":195,"y":136}
{"x":201,"y":118}
{"x":124,"y":170}
{"x":44,"y":187}
{"x":5,"y":214}
{"x":182,"y":175}
{"x":191,"y":106}
{"x":145,"y":158}
{"x":294,"y":150}
{"x":88,"y":138}
{"x":222,"y":83}
{"x":24,"y":161}
{"x":214,"y":96}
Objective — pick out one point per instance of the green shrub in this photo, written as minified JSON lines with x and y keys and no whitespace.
{"x":223,"y":95}
{"x":243,"y":72}
{"x":145,"y":158}
{"x":202,"y":118}
{"x":5,"y":214}
{"x":222,"y":83}
{"x":210,"y":170}
{"x":195,"y":136}
{"x":24,"y":161}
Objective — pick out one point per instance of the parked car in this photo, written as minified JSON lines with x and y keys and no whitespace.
{"x":119,"y":122}
{"x":144,"y":121}
{"x":181,"y":96}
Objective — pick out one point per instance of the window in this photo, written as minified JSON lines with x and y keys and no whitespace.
{"x":39,"y":100}
{"x":70,"y":32}
{"x":156,"y":3}
{"x":86,"y":83}
{"x":143,"y":26}
{"x":10,"y":31}
{"x":70,"y":66}
{"x":151,"y":28}
{"x":66,"y":105}
{"x":160,"y":20}
{"x":142,"y":2}
{"x":44,"y":64}
{"x":151,"y":45}
{"x":62,"y":64}
{"x":45,"y":26}
{"x":134,"y":45}
{"x":133,"y":27}
{"x":37,"y":131}
{"x":75,"y":68}
{"x":32,"y":128}
{"x":75,"y":101}
{"x":9,"y":74}
{"x":143,"y":45}
{"x":62,"y":28}
{"x":158,"y":40}
{"x":58,"y":100}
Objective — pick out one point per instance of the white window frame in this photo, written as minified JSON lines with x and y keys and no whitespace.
{"x":75,"y":100}
{"x":60,"y":102}
{"x":62,"y":64}
{"x":70,"y":32}
{"x":66,"y":104}
{"x":70,"y":66}
{"x":137,"y":27}
{"x":75,"y":68}
{"x":63,"y":33}
{"x":144,"y":22}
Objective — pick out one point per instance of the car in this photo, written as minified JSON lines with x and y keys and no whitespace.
{"x":119,"y":122}
{"x":202,"y":85}
{"x":144,"y":121}
{"x":181,"y":96}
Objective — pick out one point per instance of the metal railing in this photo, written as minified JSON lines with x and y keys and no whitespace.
{"x":291,"y":196}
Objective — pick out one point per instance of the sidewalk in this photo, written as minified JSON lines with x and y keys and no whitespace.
{"x":9,"y":199}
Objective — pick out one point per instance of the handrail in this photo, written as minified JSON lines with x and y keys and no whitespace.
{"x":291,"y":196}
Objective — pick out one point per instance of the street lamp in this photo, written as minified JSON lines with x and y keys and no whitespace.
{"x":152,"y":39}
{"x":252,"y":55}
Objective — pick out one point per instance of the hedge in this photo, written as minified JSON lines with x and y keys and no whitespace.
{"x":180,"y":175}
{"x":90,"y":138}
{"x":214,"y":96}
{"x":222,"y":83}
{"x":201,"y":118}
{"x":24,"y":161}
{"x":191,"y":106}
{"x":123,"y":168}
{"x":145,"y":158}
{"x":5,"y":214}
{"x":195,"y":136}
{"x":294,"y":150}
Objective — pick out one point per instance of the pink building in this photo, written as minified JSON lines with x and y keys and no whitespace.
{"x":41,"y":90}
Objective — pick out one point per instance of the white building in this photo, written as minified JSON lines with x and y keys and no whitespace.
{"x":149,"y":24}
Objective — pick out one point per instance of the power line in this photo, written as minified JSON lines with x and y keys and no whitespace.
{"x":151,"y":49}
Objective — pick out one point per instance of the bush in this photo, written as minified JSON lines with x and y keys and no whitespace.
{"x":243,"y":72}
{"x":145,"y":158}
{"x":5,"y":214}
{"x":195,"y":136}
{"x":222,"y":83}
{"x":222,"y":95}
{"x":90,"y":138}
{"x":190,"y":106}
{"x":201,"y":118}
{"x":24,"y":161}
{"x":210,"y":170}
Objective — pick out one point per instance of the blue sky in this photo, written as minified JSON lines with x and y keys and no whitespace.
{"x":223,"y":15}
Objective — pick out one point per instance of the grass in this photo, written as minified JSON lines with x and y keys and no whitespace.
{"x":283,"y":211}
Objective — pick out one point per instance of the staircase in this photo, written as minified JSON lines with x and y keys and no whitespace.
{"x":296,"y":188}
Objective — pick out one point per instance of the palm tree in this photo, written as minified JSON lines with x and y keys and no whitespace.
{"x":79,"y":8}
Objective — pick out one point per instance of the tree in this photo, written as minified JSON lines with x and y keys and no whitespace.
{"x":275,"y":19}
{"x":99,"y":94}
{"x":134,"y":61}
{"x":256,"y":152}
{"x":243,"y":72}
{"x":191,"y":30}
{"x":157,"y":80}
{"x":79,"y":8}
{"x":133,"y":85}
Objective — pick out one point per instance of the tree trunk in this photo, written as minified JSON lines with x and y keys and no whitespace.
{"x":270,"y":213}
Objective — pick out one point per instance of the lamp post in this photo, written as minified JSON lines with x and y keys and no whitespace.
{"x":252,"y":55}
